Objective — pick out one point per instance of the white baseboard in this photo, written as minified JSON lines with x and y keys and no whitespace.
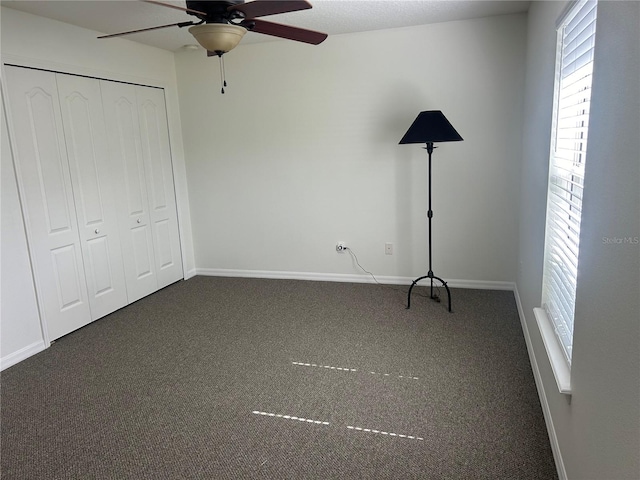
{"x":22,"y":354}
{"x":553,"y":438}
{"x":190,"y":273}
{"x":482,"y":284}
{"x":347,"y":278}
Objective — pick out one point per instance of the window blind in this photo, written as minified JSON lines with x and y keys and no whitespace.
{"x":574,"y":68}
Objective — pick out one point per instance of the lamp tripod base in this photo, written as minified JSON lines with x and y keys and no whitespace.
{"x":432,"y":277}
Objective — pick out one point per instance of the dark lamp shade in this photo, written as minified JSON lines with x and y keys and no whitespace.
{"x":429,"y":127}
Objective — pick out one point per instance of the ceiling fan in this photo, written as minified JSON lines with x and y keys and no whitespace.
{"x":223,"y":23}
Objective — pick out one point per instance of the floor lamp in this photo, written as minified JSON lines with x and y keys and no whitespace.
{"x":430,"y":127}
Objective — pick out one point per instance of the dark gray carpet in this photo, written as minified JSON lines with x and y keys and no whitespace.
{"x":202,"y":379}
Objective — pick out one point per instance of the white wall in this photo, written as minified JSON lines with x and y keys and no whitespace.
{"x":43,"y":43}
{"x":597,"y":433}
{"x":302,"y":151}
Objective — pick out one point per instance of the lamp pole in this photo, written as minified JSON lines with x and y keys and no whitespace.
{"x":429,"y":274}
{"x":430,"y":214}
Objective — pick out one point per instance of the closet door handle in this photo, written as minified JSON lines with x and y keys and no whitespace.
{"x":97,"y":231}
{"x":138,"y":220}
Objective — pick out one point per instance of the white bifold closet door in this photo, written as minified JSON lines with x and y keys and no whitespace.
{"x":125,"y":147}
{"x":94,"y":171}
{"x":48,"y":199}
{"x":162,"y":202}
{"x":139,"y":142}
{"x":93,"y":180}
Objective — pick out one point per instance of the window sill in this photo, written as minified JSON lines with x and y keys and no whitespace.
{"x":559,"y":365}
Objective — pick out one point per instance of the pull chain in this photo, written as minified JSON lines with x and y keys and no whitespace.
{"x":223,"y":82}
{"x":224,"y":73}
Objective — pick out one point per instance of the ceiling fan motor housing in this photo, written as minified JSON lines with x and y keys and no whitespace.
{"x":217,"y":11}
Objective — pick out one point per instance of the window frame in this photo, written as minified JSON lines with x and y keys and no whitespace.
{"x":565,"y":187}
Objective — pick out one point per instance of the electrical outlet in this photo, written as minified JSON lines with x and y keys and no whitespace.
{"x":341,"y":247}
{"x":388,"y":248}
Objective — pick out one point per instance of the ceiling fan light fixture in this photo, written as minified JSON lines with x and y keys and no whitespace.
{"x":218,"y":37}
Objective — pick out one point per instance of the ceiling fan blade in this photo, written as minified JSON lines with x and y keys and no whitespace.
{"x":285,"y":31}
{"x":177,"y":7}
{"x":262,"y":8}
{"x":179,"y":24}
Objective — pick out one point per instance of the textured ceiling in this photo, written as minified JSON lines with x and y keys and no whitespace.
{"x":330,"y":16}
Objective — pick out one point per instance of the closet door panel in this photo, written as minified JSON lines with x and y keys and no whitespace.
{"x":154,"y":133}
{"x":125,"y":151}
{"x":68,"y":276}
{"x":48,"y":203}
{"x":164,"y":250}
{"x":93,"y":185}
{"x":141,"y":236}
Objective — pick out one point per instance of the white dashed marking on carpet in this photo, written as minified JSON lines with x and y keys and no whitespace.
{"x":382,"y":432}
{"x":328,"y":367}
{"x":320,"y":422}
{"x":346,"y":369}
{"x":290,"y":417}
